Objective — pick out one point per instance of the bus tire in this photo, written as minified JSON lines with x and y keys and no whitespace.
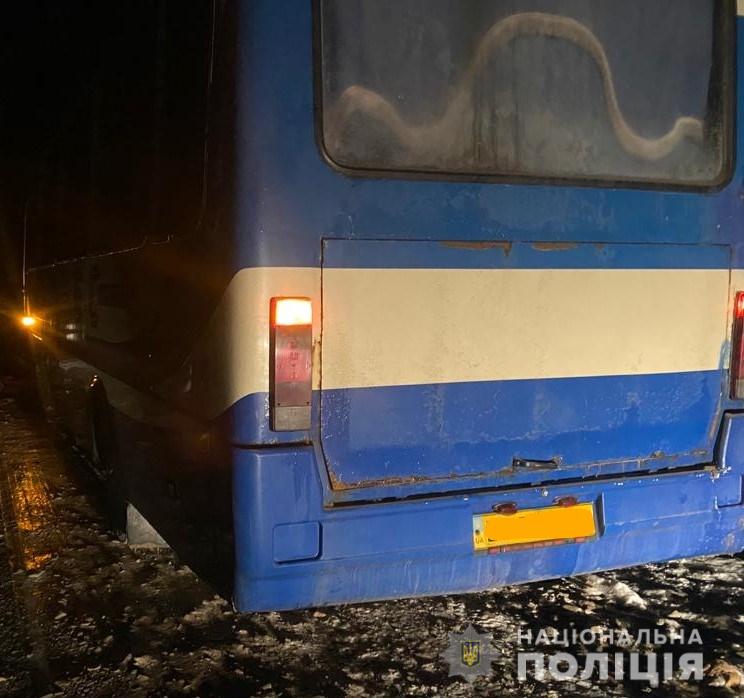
{"x":104,"y":453}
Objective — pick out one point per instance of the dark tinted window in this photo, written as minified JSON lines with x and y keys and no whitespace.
{"x":595,"y":89}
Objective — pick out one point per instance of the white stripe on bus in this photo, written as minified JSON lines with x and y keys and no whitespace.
{"x":392,"y":327}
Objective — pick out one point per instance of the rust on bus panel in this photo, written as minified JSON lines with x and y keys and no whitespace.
{"x":341,"y":486}
{"x":553,"y":246}
{"x":518,"y":465}
{"x":505,"y":247}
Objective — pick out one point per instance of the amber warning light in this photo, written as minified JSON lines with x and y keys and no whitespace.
{"x":28,"y":321}
{"x":291,"y":363}
{"x":737,"y":349}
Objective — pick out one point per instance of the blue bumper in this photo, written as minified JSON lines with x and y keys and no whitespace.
{"x":291,"y":552}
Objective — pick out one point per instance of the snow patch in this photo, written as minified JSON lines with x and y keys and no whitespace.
{"x":618,"y":593}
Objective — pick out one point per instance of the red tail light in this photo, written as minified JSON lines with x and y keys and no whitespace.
{"x":737,"y":349}
{"x":291,"y":367}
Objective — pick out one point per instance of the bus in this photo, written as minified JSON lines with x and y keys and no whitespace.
{"x":370,"y":299}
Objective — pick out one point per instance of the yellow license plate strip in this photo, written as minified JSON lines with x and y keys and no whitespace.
{"x":534,"y":527}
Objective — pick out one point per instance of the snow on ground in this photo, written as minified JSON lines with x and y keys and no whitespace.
{"x":82,"y":614}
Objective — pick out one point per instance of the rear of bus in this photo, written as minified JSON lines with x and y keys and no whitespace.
{"x":484,"y":326}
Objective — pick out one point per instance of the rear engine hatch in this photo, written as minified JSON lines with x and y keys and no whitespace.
{"x":518,"y":363}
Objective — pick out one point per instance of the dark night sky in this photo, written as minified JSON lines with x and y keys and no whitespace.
{"x":46,"y":49}
{"x":47,"y":52}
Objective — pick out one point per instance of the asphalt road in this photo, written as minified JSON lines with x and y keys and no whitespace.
{"x":82,"y":614}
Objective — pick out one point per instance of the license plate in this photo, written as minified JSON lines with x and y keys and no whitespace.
{"x":534,"y":527}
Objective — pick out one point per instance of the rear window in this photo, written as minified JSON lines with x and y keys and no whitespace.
{"x":581,"y":89}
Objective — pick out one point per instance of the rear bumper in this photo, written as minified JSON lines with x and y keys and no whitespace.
{"x":293,"y":553}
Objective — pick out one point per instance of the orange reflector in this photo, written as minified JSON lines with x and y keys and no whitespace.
{"x":532,"y":527}
{"x":28,"y":321}
{"x":293,"y":311}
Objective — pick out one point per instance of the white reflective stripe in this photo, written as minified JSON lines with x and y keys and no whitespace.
{"x":232,"y":359}
{"x":388,"y":327}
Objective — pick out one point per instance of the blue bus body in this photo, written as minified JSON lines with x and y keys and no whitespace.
{"x":476,"y":344}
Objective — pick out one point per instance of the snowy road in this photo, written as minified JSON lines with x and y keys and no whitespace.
{"x":81,"y":614}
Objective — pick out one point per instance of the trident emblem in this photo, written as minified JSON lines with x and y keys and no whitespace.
{"x":470,"y":653}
